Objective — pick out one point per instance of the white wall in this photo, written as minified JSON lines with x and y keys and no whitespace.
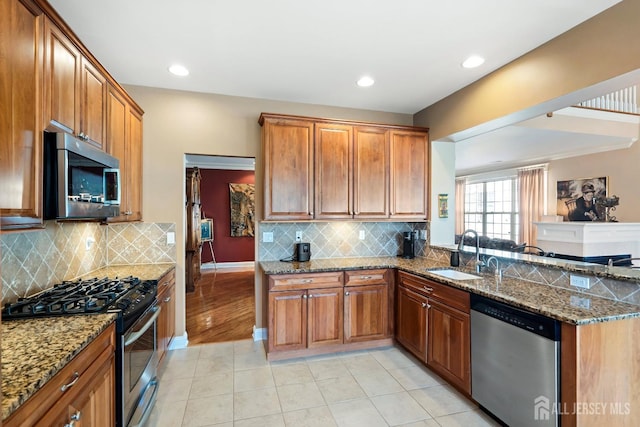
{"x":443,"y":159}
{"x":177,"y":122}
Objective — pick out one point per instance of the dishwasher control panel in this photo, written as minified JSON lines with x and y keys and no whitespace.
{"x":532,"y":322}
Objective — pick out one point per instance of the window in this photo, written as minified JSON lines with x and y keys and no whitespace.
{"x":491,"y":208}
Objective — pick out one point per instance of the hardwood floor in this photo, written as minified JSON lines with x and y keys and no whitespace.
{"x":222,"y":308}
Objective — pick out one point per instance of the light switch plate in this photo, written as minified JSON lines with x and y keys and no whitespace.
{"x":267,"y":236}
{"x":579,"y":281}
{"x":171,"y":238}
{"x":361,"y":235}
{"x":298,"y":236}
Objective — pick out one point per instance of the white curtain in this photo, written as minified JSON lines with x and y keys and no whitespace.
{"x":460,"y":205}
{"x":531,"y":193}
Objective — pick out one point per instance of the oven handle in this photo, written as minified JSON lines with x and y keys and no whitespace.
{"x":147,"y":411}
{"x":134,"y":336}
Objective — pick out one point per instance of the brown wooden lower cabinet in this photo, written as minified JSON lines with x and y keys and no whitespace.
{"x":433,"y":323}
{"x":316,"y":313}
{"x":166,"y":328}
{"x":90,"y":401}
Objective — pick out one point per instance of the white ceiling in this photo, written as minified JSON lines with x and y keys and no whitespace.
{"x":314,"y":51}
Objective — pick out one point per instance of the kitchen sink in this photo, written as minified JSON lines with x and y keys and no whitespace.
{"x":454,"y":274}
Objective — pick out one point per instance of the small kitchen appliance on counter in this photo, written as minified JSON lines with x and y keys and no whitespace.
{"x":408,"y":245}
{"x":302,"y":252}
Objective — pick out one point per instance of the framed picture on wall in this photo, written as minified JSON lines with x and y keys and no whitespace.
{"x":206,"y":230}
{"x":576,"y":199}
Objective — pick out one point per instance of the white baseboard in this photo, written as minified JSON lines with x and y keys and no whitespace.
{"x":259,"y":334}
{"x":219,"y":265}
{"x":179,"y":342}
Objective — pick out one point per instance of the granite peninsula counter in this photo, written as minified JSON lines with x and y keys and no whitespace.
{"x":562,"y":304}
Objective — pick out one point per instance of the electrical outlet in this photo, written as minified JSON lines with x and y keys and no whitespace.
{"x":89,"y":243}
{"x":361,"y":235}
{"x":423,"y":234}
{"x":298,"y":236}
{"x":579,"y":281}
{"x":267,"y":236}
{"x":171,"y":238}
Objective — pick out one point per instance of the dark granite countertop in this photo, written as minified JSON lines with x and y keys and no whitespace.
{"x":34,"y":350}
{"x":143,"y":271}
{"x":557,"y":303}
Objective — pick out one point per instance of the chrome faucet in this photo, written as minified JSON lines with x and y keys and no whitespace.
{"x":613,"y":262}
{"x":497,"y":271}
{"x":479,"y":264}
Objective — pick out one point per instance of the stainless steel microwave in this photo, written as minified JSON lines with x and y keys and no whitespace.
{"x":80,"y":180}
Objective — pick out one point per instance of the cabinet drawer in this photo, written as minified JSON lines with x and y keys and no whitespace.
{"x":448,"y":295}
{"x":366,"y":277}
{"x":165,"y":283}
{"x":286,"y":282}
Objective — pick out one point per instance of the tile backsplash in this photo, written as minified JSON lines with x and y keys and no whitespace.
{"x":34,"y":260}
{"x":338,"y":239}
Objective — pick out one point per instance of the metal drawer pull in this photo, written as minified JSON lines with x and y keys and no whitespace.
{"x":307,"y":280}
{"x":428,"y":289}
{"x":366,"y":277}
{"x":304,"y":296}
{"x":346,"y":293}
{"x":310,"y":296}
{"x":76,"y":377}
{"x":167,"y":299}
{"x":424,"y":304}
{"x":75,"y":417}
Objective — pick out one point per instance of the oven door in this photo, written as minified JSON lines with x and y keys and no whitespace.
{"x":139,"y":368}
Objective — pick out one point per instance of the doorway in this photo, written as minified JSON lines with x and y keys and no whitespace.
{"x":221,"y":306}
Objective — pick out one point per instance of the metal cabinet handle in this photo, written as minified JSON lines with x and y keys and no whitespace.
{"x":424,"y":305}
{"x":304,"y":296}
{"x":365,"y":277}
{"x":346,"y":293}
{"x":428,"y":289}
{"x":75,"y":417}
{"x":310,"y":296}
{"x":167,"y":299}
{"x":307,"y":280}
{"x":76,"y":377}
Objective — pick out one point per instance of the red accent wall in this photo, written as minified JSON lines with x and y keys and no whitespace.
{"x":214,"y":198}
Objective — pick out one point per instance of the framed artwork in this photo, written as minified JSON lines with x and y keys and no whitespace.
{"x":242,"y":198}
{"x":576,"y":199}
{"x":443,"y":205}
{"x":206,"y":230}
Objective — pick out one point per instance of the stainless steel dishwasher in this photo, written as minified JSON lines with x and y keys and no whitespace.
{"x":514,"y":363}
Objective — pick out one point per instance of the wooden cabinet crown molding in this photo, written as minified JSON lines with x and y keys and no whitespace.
{"x":52,"y":14}
{"x":275,"y":116}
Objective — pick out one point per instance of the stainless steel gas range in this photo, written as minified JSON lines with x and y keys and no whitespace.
{"x":135,"y":304}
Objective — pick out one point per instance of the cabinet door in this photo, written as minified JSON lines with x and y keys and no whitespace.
{"x":411,"y":327}
{"x":117,"y":113}
{"x":449,"y":344}
{"x":167,"y":317}
{"x":62,"y":81}
{"x":288,"y":169}
{"x":21,"y":64}
{"x":371,"y":172}
{"x":409,"y":174}
{"x":333,"y":171}
{"x":93,"y":105}
{"x":287,"y":320}
{"x":134,"y":167}
{"x":365,"y":313}
{"x":325,"y":317}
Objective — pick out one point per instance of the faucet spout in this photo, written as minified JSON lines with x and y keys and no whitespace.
{"x":461,"y":243}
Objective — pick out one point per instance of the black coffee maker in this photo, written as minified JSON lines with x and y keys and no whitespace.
{"x":408,"y":245}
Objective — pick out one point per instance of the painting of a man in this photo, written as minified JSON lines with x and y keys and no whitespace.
{"x":577,"y":199}
{"x":585,"y":209}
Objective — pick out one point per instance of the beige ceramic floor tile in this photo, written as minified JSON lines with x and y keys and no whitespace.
{"x":415,"y":377}
{"x":310,"y":417}
{"x":172,"y":390}
{"x":399,"y":408}
{"x":167,"y":414}
{"x":248,"y":346}
{"x":249,"y":360}
{"x":325,"y":369}
{"x":475,"y":418}
{"x":208,"y":411}
{"x":357,"y":413}
{"x":424,"y":423}
{"x":274,"y":420}
{"x":340,"y":389}
{"x":375,"y":383}
{"x":362,"y":363}
{"x":211,"y":385}
{"x":188,"y":353}
{"x":295,"y":373}
{"x":299,"y":396}
{"x":179,"y":369}
{"x":393,"y":358}
{"x":441,"y":400}
{"x":253,"y":379}
{"x":224,"y":349}
{"x":255,"y":403}
{"x":214,"y":365}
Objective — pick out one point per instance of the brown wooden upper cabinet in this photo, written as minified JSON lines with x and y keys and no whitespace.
{"x":21,"y":64}
{"x":125,"y":143}
{"x":327,"y":169}
{"x":75,"y":90}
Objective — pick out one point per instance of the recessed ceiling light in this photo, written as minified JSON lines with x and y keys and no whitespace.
{"x":473,"y":61}
{"x":365,"y":81}
{"x":178,"y":70}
